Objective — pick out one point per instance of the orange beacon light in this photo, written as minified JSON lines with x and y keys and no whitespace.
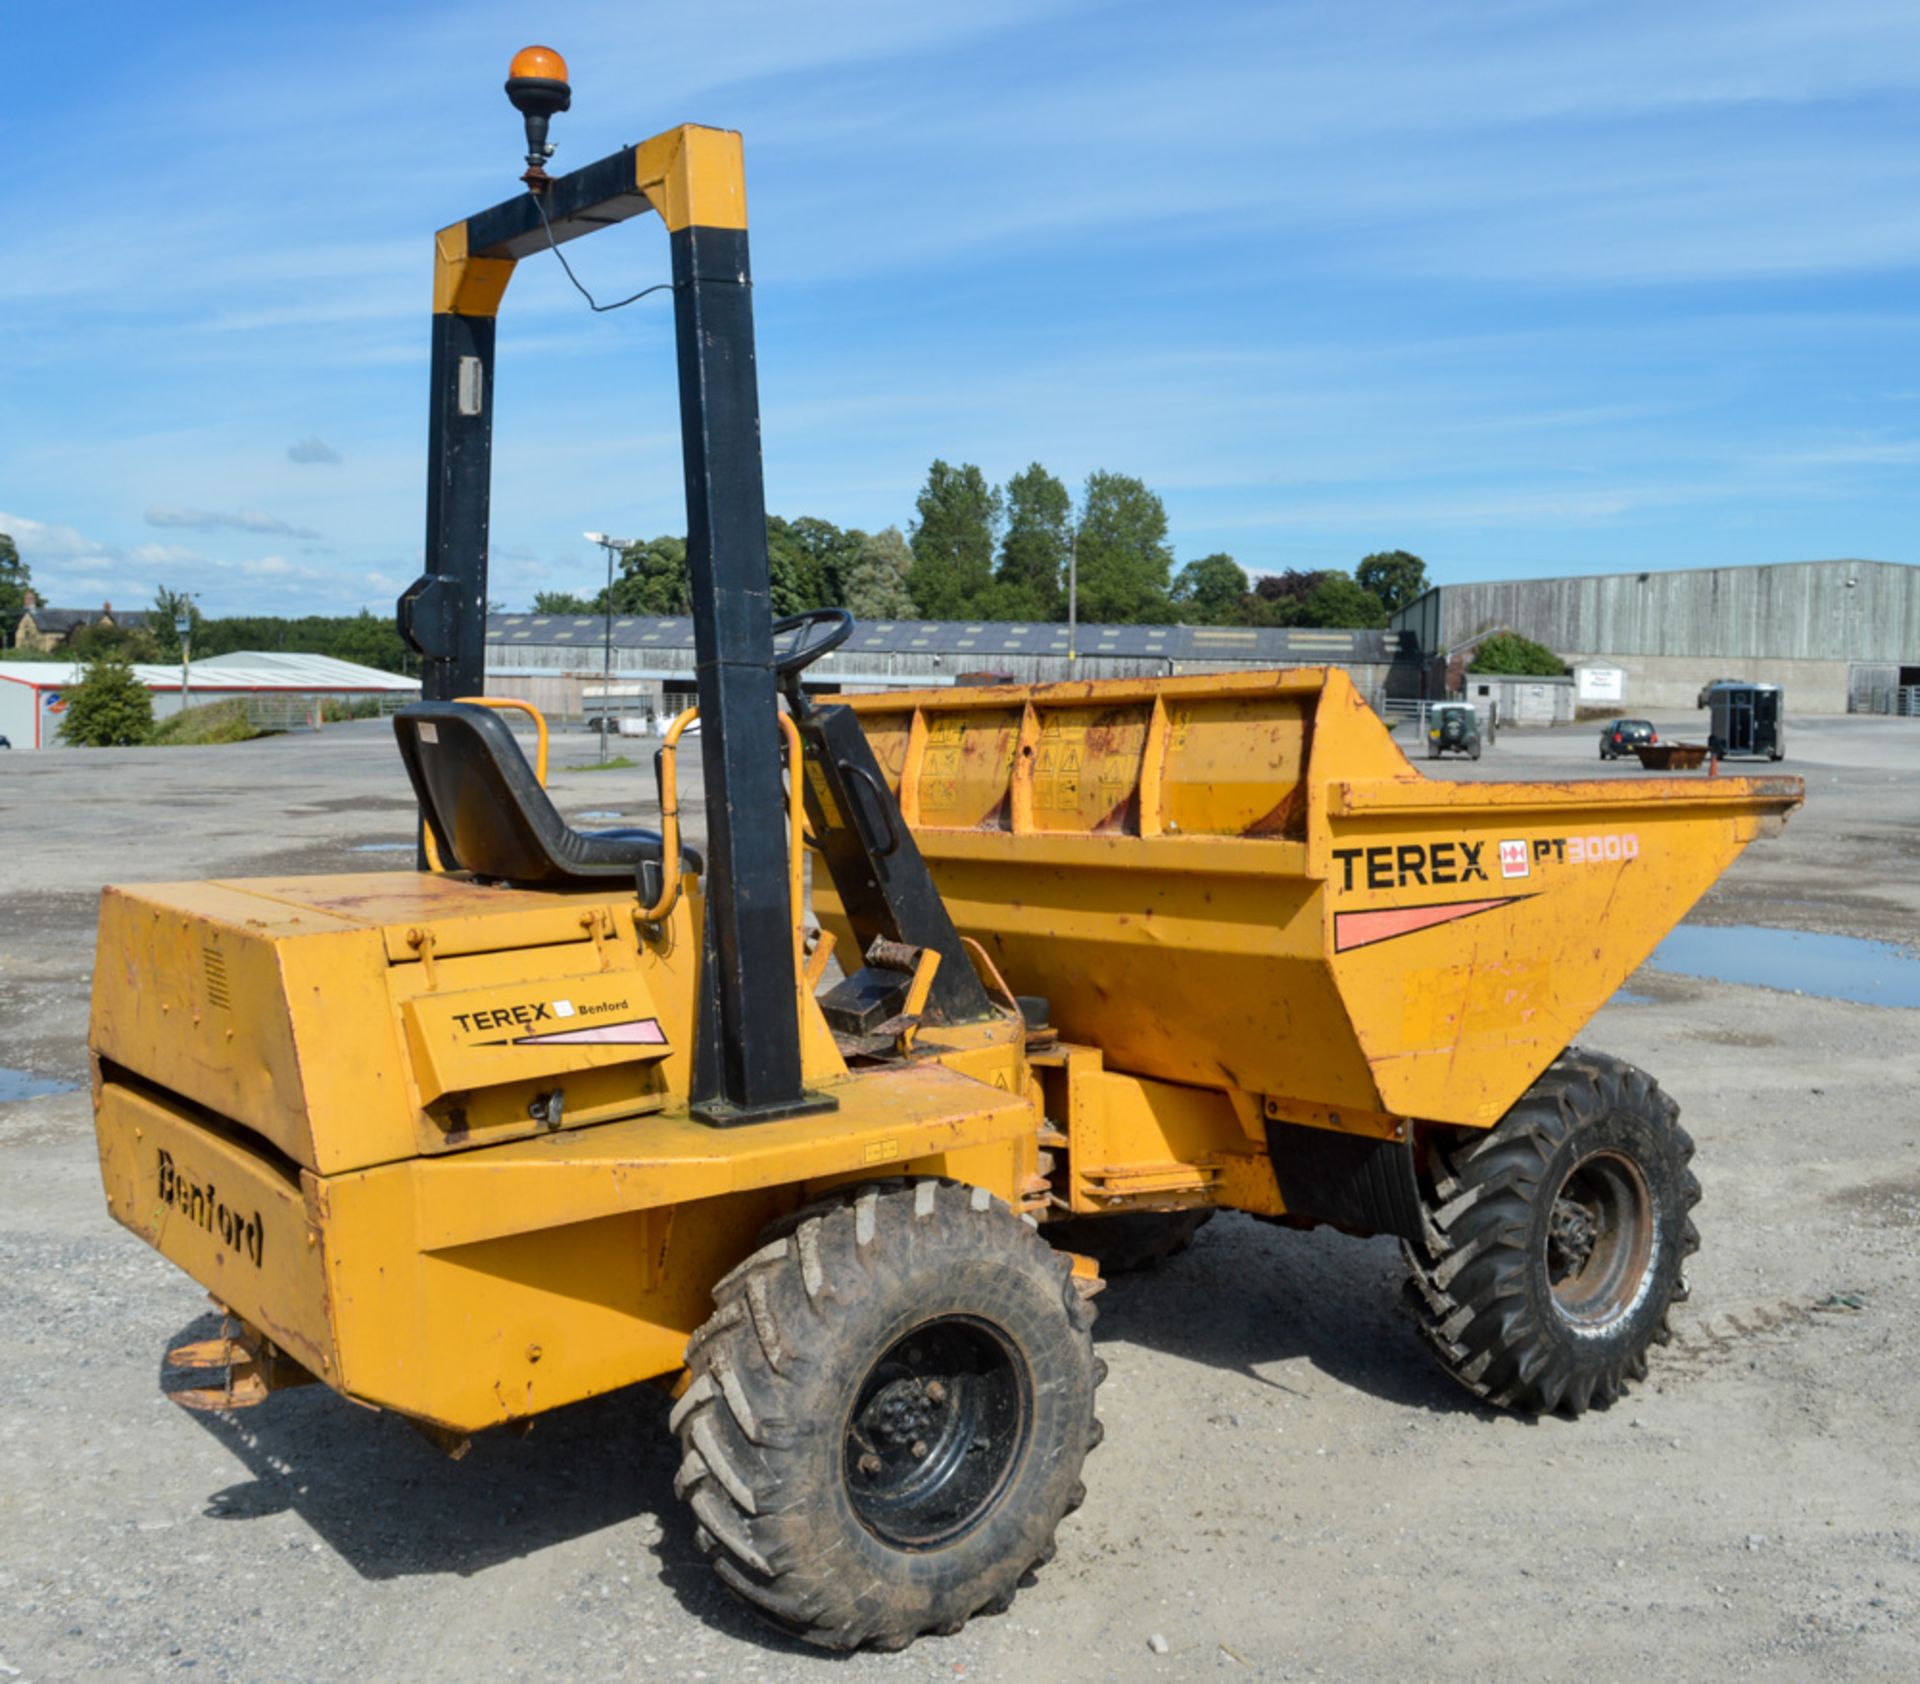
{"x":537,"y":85}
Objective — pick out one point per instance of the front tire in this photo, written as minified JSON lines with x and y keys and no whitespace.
{"x":888,"y":1413}
{"x":1557,"y":1239}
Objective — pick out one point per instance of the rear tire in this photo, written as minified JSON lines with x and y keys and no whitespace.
{"x":887,"y":1415}
{"x":1557,"y":1239}
{"x":1129,"y":1241}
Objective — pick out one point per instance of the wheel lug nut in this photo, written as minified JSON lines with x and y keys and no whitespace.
{"x":936,"y":1393}
{"x":870,"y":1464}
{"x":919,"y":1449}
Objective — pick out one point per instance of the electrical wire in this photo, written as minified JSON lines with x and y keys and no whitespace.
{"x":554,"y":247}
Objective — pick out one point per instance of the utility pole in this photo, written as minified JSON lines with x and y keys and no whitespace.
{"x":613,"y":547}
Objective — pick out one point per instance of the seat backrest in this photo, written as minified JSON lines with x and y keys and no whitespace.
{"x":488,"y":812}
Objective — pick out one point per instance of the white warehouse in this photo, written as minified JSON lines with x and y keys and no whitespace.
{"x":292,"y":688}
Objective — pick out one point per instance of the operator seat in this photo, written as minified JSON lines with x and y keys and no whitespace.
{"x":489,"y":814}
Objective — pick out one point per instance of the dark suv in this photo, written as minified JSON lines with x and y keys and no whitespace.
{"x":1453,"y":727}
{"x":1621,"y":735}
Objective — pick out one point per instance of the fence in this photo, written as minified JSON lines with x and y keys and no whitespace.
{"x":1876,"y":689}
{"x":293,"y":711}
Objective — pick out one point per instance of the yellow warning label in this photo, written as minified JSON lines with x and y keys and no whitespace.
{"x":883,"y":1151}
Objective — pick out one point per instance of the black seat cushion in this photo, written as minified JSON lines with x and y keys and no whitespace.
{"x":488,"y":812}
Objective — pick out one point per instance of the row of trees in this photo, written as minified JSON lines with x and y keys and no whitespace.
{"x":974,"y":551}
{"x":979,"y":551}
{"x":812,"y":563}
{"x":367,"y":638}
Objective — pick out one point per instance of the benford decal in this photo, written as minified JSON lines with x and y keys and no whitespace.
{"x":201,"y":1204}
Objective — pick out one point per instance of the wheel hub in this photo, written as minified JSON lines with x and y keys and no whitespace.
{"x":936,"y":1430}
{"x":1570,"y":1236}
{"x":1600,"y":1238}
{"x":903,"y":1411}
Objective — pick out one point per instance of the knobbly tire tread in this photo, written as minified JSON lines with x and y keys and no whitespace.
{"x":760,"y":1424}
{"x":1478,"y":1284}
{"x":1129,"y":1241}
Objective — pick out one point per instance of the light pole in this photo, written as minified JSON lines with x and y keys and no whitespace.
{"x":1073,"y":594}
{"x":183,"y":628}
{"x":613,"y":546}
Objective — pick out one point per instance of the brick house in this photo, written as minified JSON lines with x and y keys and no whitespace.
{"x":51,"y":629}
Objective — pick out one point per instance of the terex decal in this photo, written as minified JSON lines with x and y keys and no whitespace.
{"x":621,"y":1032}
{"x":1440,"y":865}
{"x":1395,"y":865}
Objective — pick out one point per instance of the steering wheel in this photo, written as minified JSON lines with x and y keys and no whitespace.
{"x":806,"y":650}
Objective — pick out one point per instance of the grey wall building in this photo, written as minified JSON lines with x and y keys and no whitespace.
{"x":1830,"y":632}
{"x":556,"y":661}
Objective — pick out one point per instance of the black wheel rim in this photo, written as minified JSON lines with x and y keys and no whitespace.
{"x":1599,"y":1242}
{"x":936,"y":1431}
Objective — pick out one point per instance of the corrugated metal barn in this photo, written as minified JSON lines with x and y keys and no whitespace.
{"x":557,"y":661}
{"x":1831,"y":632}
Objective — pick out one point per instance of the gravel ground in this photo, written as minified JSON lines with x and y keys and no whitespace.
{"x":1288,"y":1489}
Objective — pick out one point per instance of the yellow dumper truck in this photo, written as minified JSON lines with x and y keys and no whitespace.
{"x":562,"y":1111}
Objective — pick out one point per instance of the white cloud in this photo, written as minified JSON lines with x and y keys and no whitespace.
{"x":236,"y":520}
{"x":310,"y":450}
{"x":42,"y":543}
{"x":164,"y":555}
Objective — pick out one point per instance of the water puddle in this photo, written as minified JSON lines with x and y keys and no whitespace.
{"x":1868,"y":973}
{"x":24,"y":1084}
{"x":381,"y":848}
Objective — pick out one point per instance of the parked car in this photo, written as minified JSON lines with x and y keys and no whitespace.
{"x":1620,"y":736}
{"x":1453,"y":727}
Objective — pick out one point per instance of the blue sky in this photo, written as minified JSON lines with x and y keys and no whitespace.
{"x":1524,"y":287}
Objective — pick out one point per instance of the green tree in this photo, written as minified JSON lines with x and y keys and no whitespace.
{"x":371,"y":640}
{"x":1508,"y":652}
{"x":1211,"y":591}
{"x":953,"y":542}
{"x":565,"y":602}
{"x":1033,"y":555}
{"x":1280,"y":599}
{"x":125,"y":643}
{"x":1337,"y":601}
{"x":876,"y":586}
{"x":168,"y":606}
{"x":1394,"y":576}
{"x":808,"y":561}
{"x":653,"y":578}
{"x":1125,"y":559}
{"x":108,"y":708}
{"x":16,"y":579}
